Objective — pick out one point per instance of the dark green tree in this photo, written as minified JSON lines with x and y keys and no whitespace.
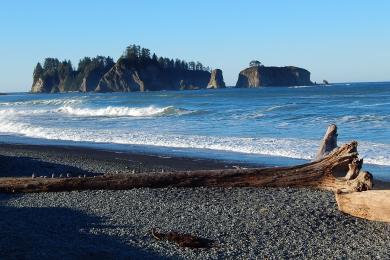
{"x":154,"y":58}
{"x":83,"y":63}
{"x":65,"y":69}
{"x":184,"y":65}
{"x":132,"y":52}
{"x":255,"y":63}
{"x":199,"y":66}
{"x":191,"y":65}
{"x":50,"y":65}
{"x":145,"y":54}
{"x":177,"y":64}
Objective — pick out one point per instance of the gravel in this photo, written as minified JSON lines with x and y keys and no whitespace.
{"x":245,"y":223}
{"x":24,"y":160}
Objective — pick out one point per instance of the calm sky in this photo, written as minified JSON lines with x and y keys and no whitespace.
{"x":337,"y":40}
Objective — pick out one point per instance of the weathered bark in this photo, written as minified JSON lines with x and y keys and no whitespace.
{"x":319,"y":174}
{"x":354,"y":169}
{"x":328,"y":143}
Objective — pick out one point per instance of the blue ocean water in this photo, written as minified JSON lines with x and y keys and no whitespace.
{"x":272,"y":126}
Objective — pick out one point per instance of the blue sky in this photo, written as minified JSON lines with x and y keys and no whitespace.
{"x":339,"y":41}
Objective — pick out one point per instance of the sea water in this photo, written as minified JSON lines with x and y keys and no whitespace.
{"x":268,"y":126}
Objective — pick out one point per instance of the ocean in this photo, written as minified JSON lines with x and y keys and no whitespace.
{"x":268,"y":126}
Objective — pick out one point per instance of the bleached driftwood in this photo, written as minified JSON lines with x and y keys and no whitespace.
{"x":371,"y":205}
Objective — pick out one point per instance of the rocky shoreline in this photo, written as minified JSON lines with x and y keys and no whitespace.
{"x":243,"y":222}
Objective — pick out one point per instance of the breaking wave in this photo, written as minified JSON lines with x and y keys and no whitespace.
{"x":15,"y":112}
{"x":308,"y":86}
{"x":378,"y":154}
{"x":111,"y":111}
{"x":48,"y":102}
{"x":363,"y":118}
{"x":233,"y":123}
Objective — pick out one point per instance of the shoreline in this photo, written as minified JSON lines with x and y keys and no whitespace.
{"x":270,"y":223}
{"x":44,"y":160}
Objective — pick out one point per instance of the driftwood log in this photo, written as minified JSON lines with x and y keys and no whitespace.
{"x":321,"y":174}
{"x":336,"y":169}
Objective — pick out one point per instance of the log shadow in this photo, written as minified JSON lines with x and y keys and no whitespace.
{"x":13,"y":166}
{"x":58,"y":233}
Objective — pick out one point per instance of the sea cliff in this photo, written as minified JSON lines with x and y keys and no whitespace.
{"x":216,"y":79}
{"x":262,"y":76}
{"x":135,"y":70}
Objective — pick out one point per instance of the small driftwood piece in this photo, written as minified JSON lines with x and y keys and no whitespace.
{"x":183,"y":240}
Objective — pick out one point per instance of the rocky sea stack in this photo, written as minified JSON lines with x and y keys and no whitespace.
{"x":139,"y":70}
{"x":216,"y":80}
{"x":262,"y":76}
{"x":135,"y":70}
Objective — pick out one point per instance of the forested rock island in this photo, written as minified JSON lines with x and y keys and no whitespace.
{"x":139,"y":70}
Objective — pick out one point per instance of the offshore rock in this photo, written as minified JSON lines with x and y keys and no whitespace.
{"x":261,"y":76}
{"x":216,"y":79}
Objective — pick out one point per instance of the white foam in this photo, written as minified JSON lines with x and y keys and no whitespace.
{"x":362,"y":118}
{"x":309,"y":86}
{"x":53,"y":102}
{"x":111,"y":111}
{"x":373,"y":153}
{"x":277,"y":107}
{"x":263,"y":146}
{"x":376,"y":105}
{"x":15,"y":112}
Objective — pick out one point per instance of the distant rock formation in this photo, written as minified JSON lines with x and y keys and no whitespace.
{"x":92,"y":78}
{"x":216,"y":79}
{"x":138,"y":70}
{"x":39,"y":86}
{"x":48,"y":84}
{"x":135,"y":70}
{"x":259,"y":76}
{"x":120,"y":79}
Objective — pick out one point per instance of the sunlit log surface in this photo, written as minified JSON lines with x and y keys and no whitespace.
{"x":319,"y":174}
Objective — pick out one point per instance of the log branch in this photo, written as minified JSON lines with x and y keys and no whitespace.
{"x":328,"y":143}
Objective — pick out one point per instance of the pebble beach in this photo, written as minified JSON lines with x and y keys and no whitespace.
{"x":243,"y":223}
